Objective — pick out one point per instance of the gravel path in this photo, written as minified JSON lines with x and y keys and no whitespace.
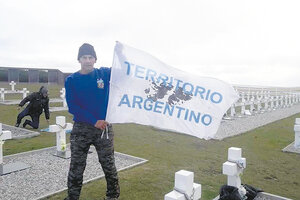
{"x":48,"y":173}
{"x":19,"y":133}
{"x":54,"y":109}
{"x":238,"y":126}
{"x":264,"y":196}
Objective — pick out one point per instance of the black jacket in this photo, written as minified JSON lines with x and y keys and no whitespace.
{"x":36,"y":104}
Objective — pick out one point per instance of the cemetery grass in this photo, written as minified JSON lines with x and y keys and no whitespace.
{"x":8,"y":115}
{"x":267,"y":166}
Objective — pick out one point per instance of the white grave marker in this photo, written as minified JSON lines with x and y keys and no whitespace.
{"x":234,"y":166}
{"x":272,"y":103}
{"x":248,"y":96}
{"x":63,"y":96}
{"x":266,"y":100}
{"x":232,"y":110}
{"x":2,"y":94}
{"x":276,"y":101}
{"x":12,"y":84}
{"x":297,"y":133}
{"x":185,"y":188}
{"x":243,"y":108}
{"x":281,"y":101}
{"x":259,"y":101}
{"x":11,"y":167}
{"x":60,"y":130}
{"x":252,"y":100}
{"x":286,"y":101}
{"x":4,"y":135}
{"x":25,"y":92}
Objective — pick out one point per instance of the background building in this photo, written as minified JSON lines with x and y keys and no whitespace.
{"x":32,"y":75}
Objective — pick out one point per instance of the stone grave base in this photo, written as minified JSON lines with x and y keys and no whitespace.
{"x":19,"y":133}
{"x":65,"y":155}
{"x":48,"y":173}
{"x":227,"y":118}
{"x":12,"y":167}
{"x":10,"y":102}
{"x":55,"y":100}
{"x":291,"y":148}
{"x":54,"y":109}
{"x":268,"y":196}
{"x":265,"y":196}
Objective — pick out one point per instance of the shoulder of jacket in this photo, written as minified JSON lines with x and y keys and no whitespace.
{"x":34,"y":95}
{"x":70,"y":78}
{"x":104,"y":69}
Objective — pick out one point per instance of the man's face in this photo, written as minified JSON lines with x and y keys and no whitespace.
{"x":87,"y":62}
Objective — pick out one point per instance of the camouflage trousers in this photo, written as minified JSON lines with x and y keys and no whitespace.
{"x":82,"y":136}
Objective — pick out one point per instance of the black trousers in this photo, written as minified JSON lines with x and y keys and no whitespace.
{"x":35,"y":119}
{"x":82,"y":136}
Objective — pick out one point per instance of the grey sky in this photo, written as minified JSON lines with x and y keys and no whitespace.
{"x":242,"y":42}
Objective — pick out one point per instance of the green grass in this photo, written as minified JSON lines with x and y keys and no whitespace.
{"x":267,"y":166}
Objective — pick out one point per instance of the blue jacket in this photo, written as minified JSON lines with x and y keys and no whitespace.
{"x":87,"y":95}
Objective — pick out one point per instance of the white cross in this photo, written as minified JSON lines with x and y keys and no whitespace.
{"x":252,"y":99}
{"x":60,"y":130}
{"x":272,"y":103}
{"x":290,"y":99}
{"x":185,"y":188}
{"x":286,"y":100}
{"x":234,"y":166}
{"x":12,"y":84}
{"x":257,"y":95}
{"x":63,"y":96}
{"x":232,"y":110}
{"x":62,"y":92}
{"x":11,"y":167}
{"x":2,"y":94}
{"x":259,"y":101}
{"x":281,"y":101}
{"x":243,"y":97}
{"x":294,"y":98}
{"x":25,"y":92}
{"x":297,"y":133}
{"x":277,"y":101}
{"x":248,"y":96}
{"x":4,"y":135}
{"x":266,"y":100}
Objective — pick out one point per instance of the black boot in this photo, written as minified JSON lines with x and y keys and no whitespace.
{"x":25,"y":123}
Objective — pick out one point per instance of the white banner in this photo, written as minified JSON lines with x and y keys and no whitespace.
{"x":146,"y":91}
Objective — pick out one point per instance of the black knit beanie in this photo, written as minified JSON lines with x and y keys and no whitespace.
{"x":43,"y":90}
{"x":86,"y":49}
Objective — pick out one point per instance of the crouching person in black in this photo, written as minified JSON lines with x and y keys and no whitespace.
{"x":38,"y":101}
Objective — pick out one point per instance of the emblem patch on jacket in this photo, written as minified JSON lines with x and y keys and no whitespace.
{"x":100,"y":83}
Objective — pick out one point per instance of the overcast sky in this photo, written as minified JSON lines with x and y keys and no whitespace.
{"x":244,"y":42}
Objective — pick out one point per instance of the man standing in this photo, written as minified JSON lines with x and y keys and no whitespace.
{"x":37,"y":102}
{"x":87,"y":97}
